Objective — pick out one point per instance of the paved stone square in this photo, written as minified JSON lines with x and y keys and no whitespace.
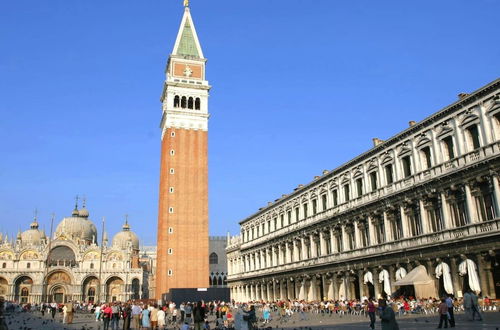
{"x":86,"y":321}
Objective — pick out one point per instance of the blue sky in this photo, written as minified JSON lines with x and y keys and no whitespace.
{"x":298,"y":86}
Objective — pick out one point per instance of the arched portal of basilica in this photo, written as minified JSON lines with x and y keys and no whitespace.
{"x":59,"y":287}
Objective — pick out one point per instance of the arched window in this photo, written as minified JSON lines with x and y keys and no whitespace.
{"x":224,"y":282}
{"x":472,"y":136}
{"x":183,"y":102}
{"x":91,"y":265}
{"x":114,"y":266}
{"x":176,"y":101}
{"x":214,"y":259}
{"x":91,"y":292}
{"x":190,"y":103}
{"x":197,"y":104}
{"x":28,"y":265}
{"x":4,"y":265}
{"x":24,"y":292}
{"x":219,"y":282}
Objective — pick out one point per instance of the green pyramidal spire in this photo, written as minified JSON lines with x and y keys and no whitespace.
{"x":187,"y":43}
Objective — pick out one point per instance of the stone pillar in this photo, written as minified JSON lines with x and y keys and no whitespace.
{"x":471,"y":210}
{"x":371,"y":231}
{"x":448,"y":224}
{"x":301,"y":283}
{"x":376,"y":284}
{"x":392,"y":277}
{"x":357,"y":237}
{"x":303,"y":249}
{"x":387,"y":228}
{"x":335,"y":287}
{"x":280,"y":259}
{"x":431,"y":270}
{"x":287,"y":253}
{"x":496,"y":193}
{"x":404,"y":221}
{"x":312,"y":295}
{"x":296,"y":250}
{"x":483,"y":279}
{"x":455,"y":278}
{"x":322,"y":243}
{"x":332,"y":240}
{"x":363,"y":290}
{"x":330,"y":294}
{"x":423,"y":217}
{"x":344,"y":239}
{"x":313,"y":246}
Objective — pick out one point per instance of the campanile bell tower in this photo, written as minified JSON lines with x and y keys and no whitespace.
{"x":182,"y":255}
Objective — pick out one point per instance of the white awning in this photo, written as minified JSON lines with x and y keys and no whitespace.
{"x":417,"y":276}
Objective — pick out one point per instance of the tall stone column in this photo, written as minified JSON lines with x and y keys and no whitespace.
{"x":376,"y":284}
{"x":387,"y":228}
{"x":404,"y":221}
{"x":335,"y":287}
{"x":496,"y":193}
{"x":303,"y":248}
{"x":371,"y":230}
{"x":332,"y":240}
{"x":345,"y":245}
{"x":312,"y":289}
{"x":362,"y":287}
{"x":471,"y":209}
{"x":392,"y":277}
{"x":424,"y":217}
{"x":313,"y":246}
{"x":448,"y":224}
{"x":483,"y":276}
{"x":330,"y":288}
{"x":357,"y":238}
{"x":280,"y":258}
{"x":322,"y":243}
{"x":455,"y":278}
{"x":296,"y":256}
{"x":431,"y":270}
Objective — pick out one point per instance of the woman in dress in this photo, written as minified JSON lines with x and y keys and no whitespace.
{"x":161,"y":318}
{"x":145,"y":320}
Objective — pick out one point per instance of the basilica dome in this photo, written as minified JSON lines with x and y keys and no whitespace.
{"x":77,"y":227}
{"x":33,"y":235}
{"x":122,"y":239}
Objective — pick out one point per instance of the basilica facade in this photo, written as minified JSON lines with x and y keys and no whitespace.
{"x":72,"y":265}
{"x":418,"y":214}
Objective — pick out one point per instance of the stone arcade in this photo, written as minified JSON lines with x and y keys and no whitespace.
{"x":427,"y":199}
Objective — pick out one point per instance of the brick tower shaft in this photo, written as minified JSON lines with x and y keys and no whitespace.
{"x":182,"y":255}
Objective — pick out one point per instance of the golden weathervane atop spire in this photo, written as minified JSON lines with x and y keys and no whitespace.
{"x":186,"y":3}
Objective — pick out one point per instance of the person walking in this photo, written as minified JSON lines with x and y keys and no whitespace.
{"x":127,"y":316}
{"x":145,"y":320}
{"x":370,"y":308}
{"x":475,"y":307}
{"x":451,"y":315}
{"x":107,"y":313}
{"x":53,"y":309}
{"x":161,"y":319}
{"x":199,"y":313}
{"x":387,"y":316}
{"x":115,"y":316}
{"x":136,"y":316}
{"x":154,"y":317}
{"x":443,"y":314}
{"x":468,"y":305}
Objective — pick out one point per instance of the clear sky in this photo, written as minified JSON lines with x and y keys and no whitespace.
{"x":298,"y":86}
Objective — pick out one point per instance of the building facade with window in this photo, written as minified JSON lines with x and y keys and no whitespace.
{"x":425,"y":201}
{"x":71,"y":265}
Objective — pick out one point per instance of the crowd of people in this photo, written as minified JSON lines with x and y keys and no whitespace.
{"x":234,"y":315}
